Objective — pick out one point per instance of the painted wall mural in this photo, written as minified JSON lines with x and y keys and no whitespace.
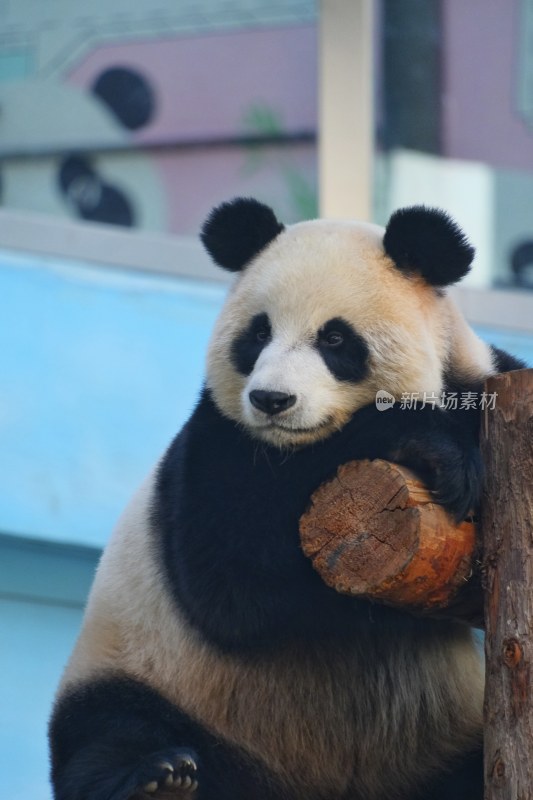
{"x":147,"y":117}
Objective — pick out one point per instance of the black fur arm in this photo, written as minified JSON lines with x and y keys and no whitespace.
{"x":227,"y":511}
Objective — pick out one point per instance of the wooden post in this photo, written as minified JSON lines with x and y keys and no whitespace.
{"x":507,"y":526}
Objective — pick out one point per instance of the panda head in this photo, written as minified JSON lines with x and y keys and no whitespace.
{"x":323,"y":314}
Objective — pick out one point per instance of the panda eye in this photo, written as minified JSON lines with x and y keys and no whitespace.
{"x":262,"y":335}
{"x":332,"y":338}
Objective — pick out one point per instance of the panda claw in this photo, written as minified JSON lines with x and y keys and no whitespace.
{"x":179,"y":772}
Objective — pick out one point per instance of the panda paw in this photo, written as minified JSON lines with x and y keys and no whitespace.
{"x":172,"y":773}
{"x":457,"y":483}
{"x":451,"y":471}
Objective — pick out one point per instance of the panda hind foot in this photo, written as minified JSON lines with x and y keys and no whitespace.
{"x":169,"y":773}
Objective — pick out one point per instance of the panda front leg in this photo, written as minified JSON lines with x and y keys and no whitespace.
{"x":441,"y":447}
{"x":99,"y":772}
{"x":116,"y":739}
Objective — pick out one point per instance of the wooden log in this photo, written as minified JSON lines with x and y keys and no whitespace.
{"x":374,"y":531}
{"x":507,"y":524}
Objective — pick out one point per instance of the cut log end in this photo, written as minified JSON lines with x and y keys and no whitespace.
{"x":374,"y":531}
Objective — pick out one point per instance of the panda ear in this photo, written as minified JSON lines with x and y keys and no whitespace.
{"x":428,"y":241}
{"x":237,"y":231}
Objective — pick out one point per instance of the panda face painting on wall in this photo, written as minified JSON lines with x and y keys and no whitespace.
{"x":214,"y":663}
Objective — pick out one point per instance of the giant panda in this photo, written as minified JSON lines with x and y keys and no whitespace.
{"x":213,"y":662}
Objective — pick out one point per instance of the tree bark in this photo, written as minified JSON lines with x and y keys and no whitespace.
{"x":374,"y":531}
{"x":507,"y":525}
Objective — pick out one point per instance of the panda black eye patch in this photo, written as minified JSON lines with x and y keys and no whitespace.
{"x":247,"y":347}
{"x":344,"y":351}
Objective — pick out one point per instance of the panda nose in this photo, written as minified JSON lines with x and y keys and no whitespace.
{"x":271,"y":402}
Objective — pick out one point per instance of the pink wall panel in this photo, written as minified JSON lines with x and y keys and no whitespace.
{"x":480,"y":72}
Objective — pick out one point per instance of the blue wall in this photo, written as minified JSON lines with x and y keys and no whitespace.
{"x":99,"y":369}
